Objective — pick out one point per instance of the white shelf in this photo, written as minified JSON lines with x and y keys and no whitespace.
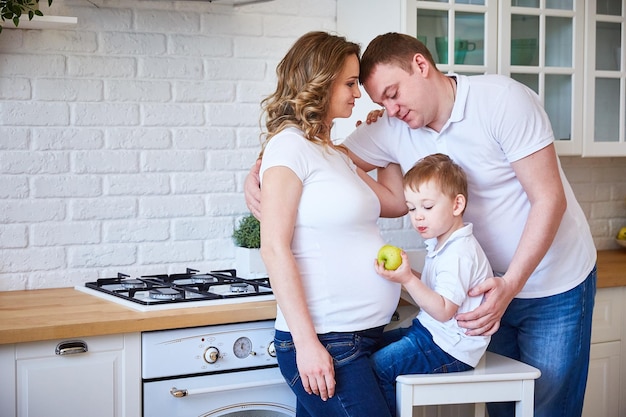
{"x":42,"y":22}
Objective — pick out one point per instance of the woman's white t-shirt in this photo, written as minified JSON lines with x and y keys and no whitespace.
{"x":336,"y":237}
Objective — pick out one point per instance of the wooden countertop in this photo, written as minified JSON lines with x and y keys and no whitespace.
{"x":58,"y":313}
{"x":612,"y":268}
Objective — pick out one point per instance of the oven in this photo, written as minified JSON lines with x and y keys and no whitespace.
{"x":217,"y":371}
{"x":227,"y":370}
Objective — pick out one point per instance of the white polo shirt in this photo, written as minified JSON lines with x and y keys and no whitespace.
{"x":495,"y":121}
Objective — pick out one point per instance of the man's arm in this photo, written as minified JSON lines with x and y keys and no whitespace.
{"x":539,"y":175}
{"x":252,"y":190}
{"x":388,"y":186}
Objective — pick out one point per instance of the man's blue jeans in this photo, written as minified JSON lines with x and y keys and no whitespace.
{"x":552,"y":334}
{"x":357,"y":392}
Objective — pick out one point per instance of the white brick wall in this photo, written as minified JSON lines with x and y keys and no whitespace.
{"x":600,"y":187}
{"x":124,"y":142}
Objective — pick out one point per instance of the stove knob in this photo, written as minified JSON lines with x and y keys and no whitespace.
{"x":211,"y":355}
{"x":271,"y":349}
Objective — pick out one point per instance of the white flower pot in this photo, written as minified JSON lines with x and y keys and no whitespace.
{"x":249,"y":263}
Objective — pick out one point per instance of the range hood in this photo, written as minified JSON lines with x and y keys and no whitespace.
{"x":225,"y":2}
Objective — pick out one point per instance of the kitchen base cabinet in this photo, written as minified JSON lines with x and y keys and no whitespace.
{"x":602,"y":396}
{"x":92,"y":376}
{"x":607,"y":371}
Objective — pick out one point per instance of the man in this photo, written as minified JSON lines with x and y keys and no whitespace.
{"x":538,"y":307}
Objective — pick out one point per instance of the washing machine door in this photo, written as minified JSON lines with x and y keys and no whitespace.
{"x":254,"y":410}
{"x":251,"y":393}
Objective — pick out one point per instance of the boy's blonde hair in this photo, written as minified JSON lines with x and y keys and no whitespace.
{"x":439,"y":168}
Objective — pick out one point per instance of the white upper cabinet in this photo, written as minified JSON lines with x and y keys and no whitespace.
{"x":604,"y":106}
{"x":542,"y":47}
{"x":545,"y":44}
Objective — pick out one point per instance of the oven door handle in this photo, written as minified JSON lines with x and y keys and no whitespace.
{"x":180,"y":393}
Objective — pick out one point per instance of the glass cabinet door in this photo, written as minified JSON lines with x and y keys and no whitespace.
{"x":606,"y":77}
{"x":471,"y":23}
{"x":542,"y":48}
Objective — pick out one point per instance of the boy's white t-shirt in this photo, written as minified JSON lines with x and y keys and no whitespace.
{"x":458,"y":265}
{"x":336,"y":237}
{"x":495,"y":121}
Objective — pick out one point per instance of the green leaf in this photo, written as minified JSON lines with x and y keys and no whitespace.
{"x":248,"y":232}
{"x":13,"y":10}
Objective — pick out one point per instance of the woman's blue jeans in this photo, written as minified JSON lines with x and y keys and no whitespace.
{"x":357,"y":393}
{"x":552,"y":334}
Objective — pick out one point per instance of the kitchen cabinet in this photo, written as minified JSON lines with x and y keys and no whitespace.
{"x":605,"y":83}
{"x":59,"y":378}
{"x":607,"y":370}
{"x":540,"y":43}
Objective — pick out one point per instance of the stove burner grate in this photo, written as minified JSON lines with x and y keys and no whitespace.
{"x":165,"y":294}
{"x":185,"y":287}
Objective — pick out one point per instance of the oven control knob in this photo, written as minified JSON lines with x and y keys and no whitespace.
{"x":271,"y":349}
{"x":211,"y":355}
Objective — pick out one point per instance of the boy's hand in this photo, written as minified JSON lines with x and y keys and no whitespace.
{"x":401,"y":275}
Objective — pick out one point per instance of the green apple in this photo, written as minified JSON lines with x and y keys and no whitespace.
{"x":621,"y":235}
{"x":390,"y":256}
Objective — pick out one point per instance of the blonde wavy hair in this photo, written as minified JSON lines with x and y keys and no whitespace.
{"x":305,"y":77}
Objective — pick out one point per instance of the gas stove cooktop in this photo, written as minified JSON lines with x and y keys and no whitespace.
{"x":189,"y":289}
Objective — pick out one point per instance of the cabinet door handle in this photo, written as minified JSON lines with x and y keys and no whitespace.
{"x":71,"y":347}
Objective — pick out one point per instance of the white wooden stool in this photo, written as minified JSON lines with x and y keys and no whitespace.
{"x":495,"y":379}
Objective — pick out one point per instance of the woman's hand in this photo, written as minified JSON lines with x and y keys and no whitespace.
{"x":372,"y":116}
{"x":316,"y":369}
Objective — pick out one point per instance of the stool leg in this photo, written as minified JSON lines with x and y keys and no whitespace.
{"x":524,"y":407}
{"x":404,"y":400}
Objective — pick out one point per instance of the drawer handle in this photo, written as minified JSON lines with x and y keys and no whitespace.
{"x":180,"y":393}
{"x":71,"y":347}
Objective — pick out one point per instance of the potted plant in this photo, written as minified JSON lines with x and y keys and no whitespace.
{"x":247,"y":238}
{"x":13,"y":10}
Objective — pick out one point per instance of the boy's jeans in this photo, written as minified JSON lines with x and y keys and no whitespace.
{"x":410,"y":351}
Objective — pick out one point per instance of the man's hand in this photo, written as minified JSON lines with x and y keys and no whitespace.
{"x":372,"y":116}
{"x":485,"y":319}
{"x":252,"y":190}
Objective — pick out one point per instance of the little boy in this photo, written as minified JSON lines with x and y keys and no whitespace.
{"x":436,"y":195}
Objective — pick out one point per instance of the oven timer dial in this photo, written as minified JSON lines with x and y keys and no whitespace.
{"x":211,"y":355}
{"x":242,"y":348}
{"x":271,"y":349}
